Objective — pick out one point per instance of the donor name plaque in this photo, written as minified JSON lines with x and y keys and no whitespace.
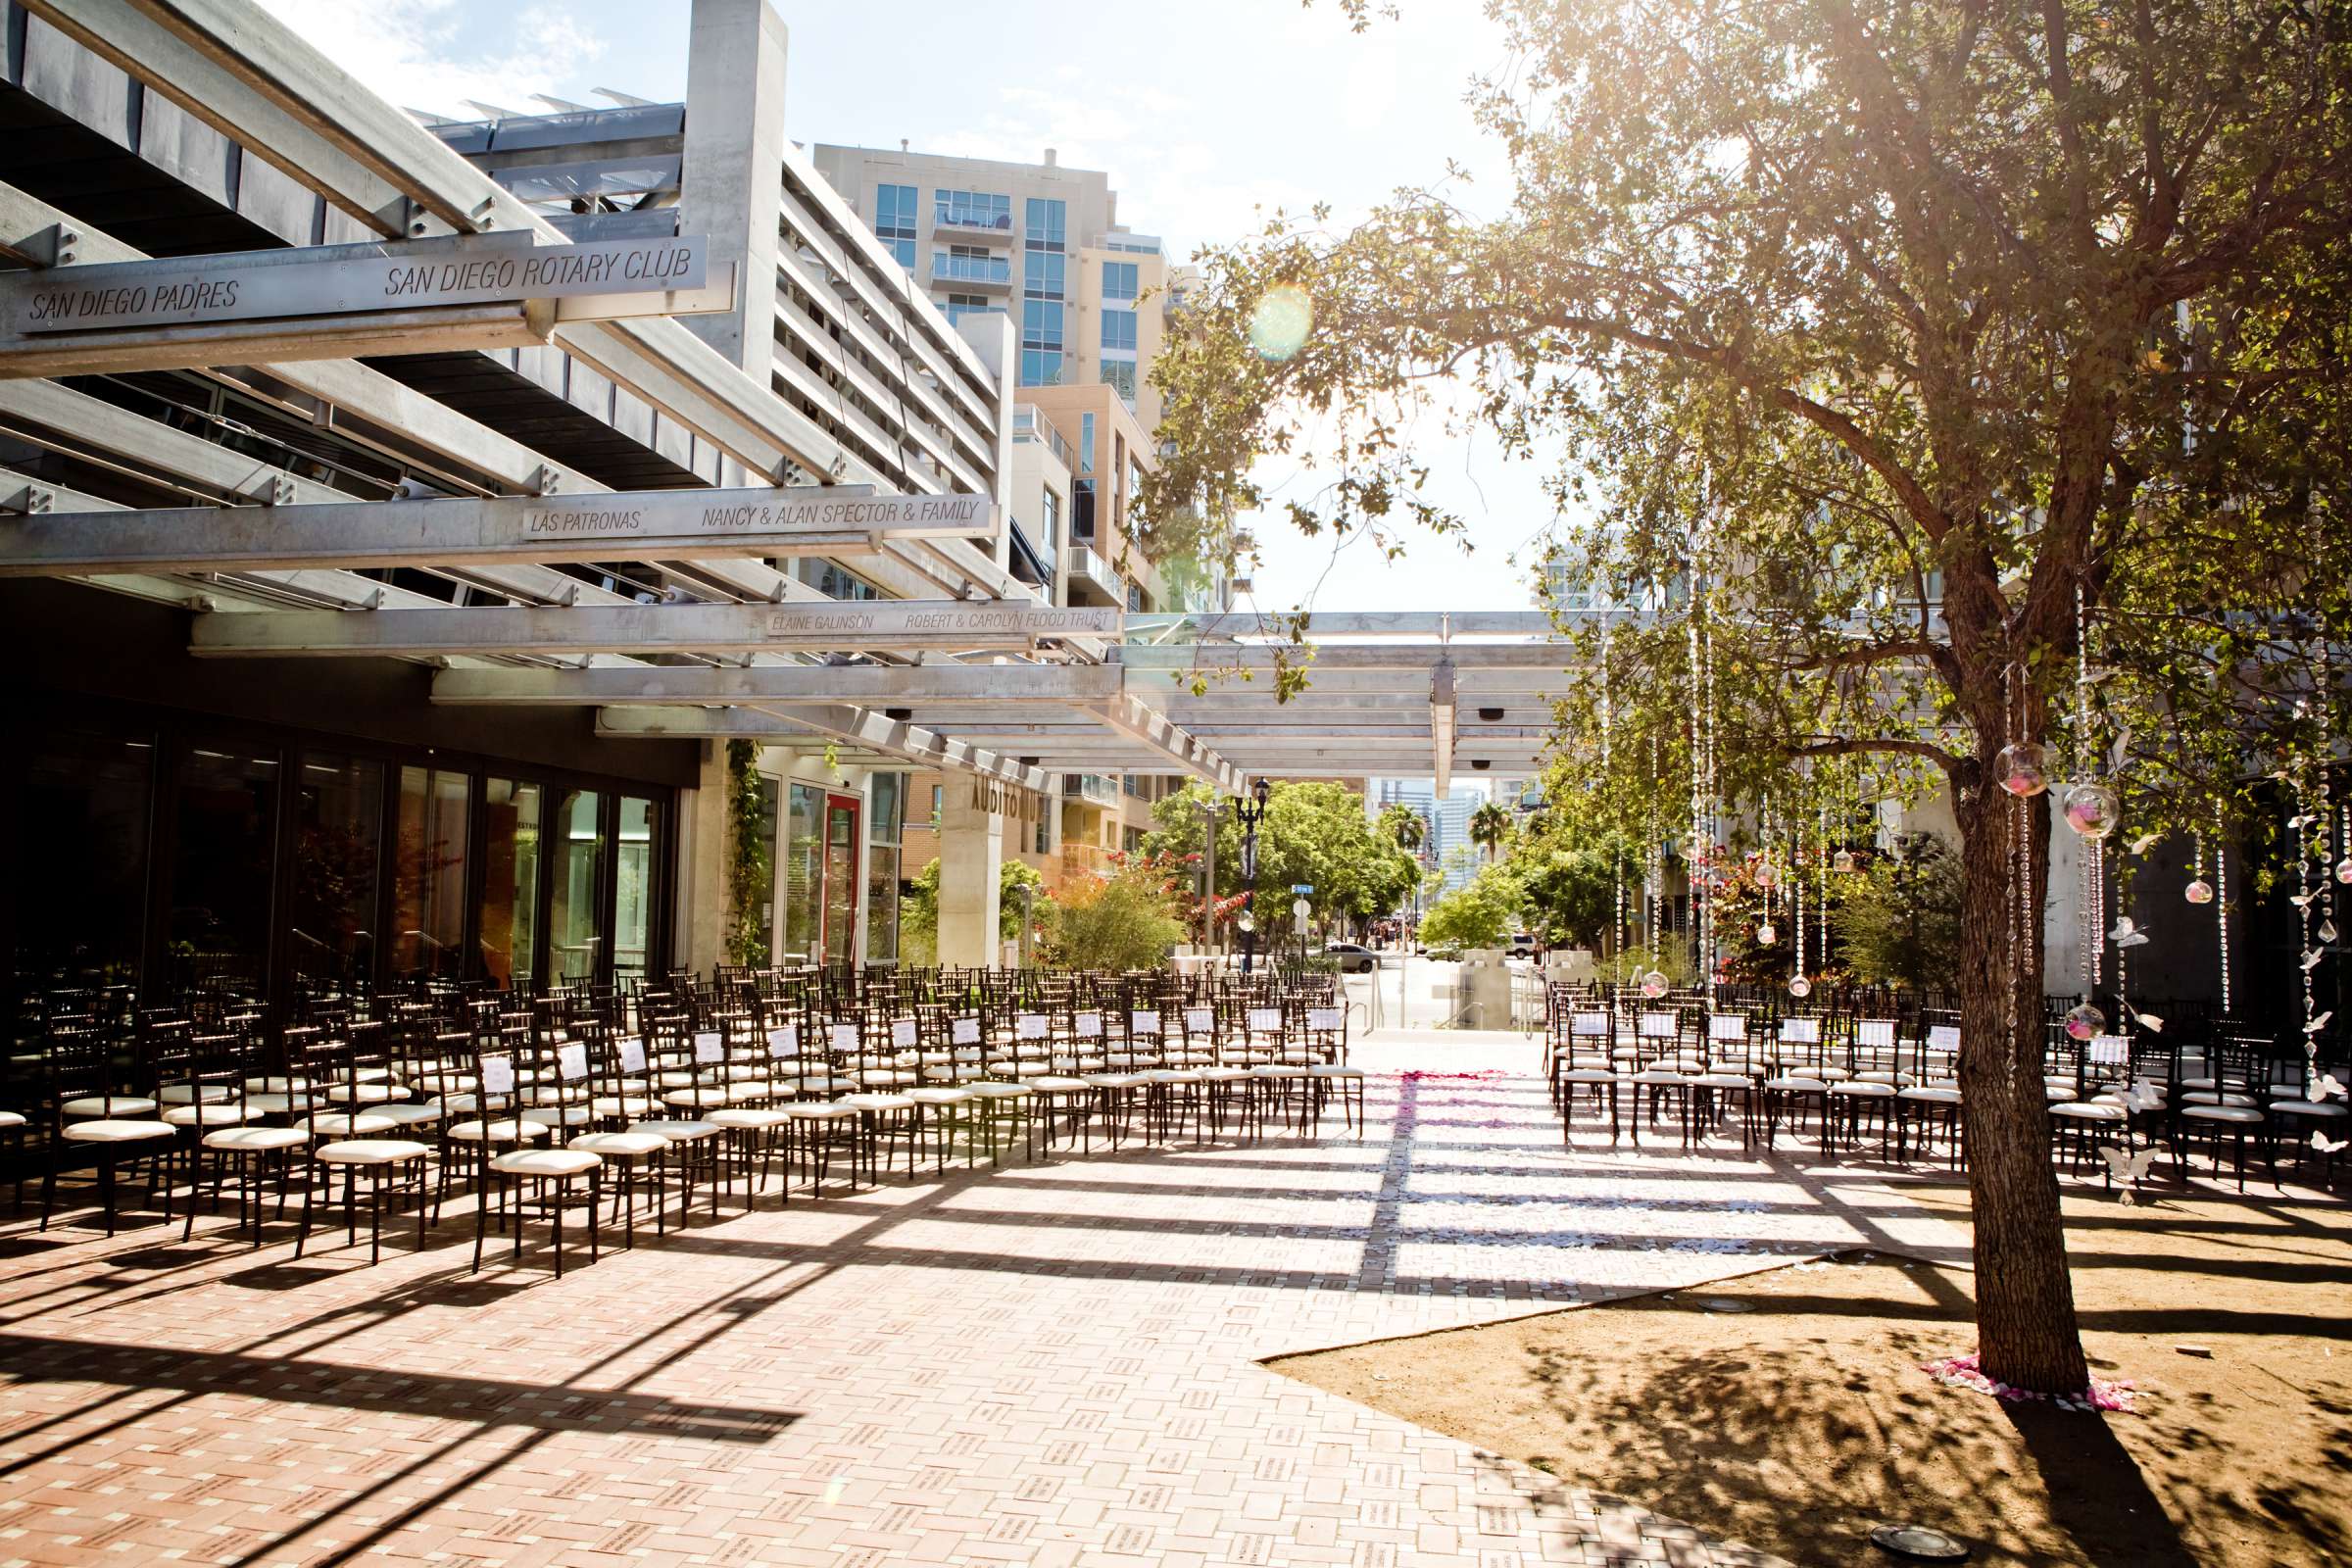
{"x":343,"y":279}
{"x":721,"y":513}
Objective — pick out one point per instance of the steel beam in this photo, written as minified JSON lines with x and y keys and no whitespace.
{"x":861,"y":727}
{"x":897,"y":625}
{"x":477,"y":531}
{"x":1215,"y":660}
{"x":1153,"y":732}
{"x":912,"y":687}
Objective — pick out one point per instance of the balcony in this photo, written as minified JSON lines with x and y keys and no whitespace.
{"x":1097,"y":788}
{"x":1091,"y":575}
{"x":963,"y":221}
{"x":1030,"y":425}
{"x":972,"y":272}
{"x":956,"y":312}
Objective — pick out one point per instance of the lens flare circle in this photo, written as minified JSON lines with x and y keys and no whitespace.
{"x":1280,"y":322}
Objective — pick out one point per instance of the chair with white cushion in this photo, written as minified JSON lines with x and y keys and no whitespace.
{"x":97,"y":1115}
{"x":357,"y":1143}
{"x":524,"y":1179}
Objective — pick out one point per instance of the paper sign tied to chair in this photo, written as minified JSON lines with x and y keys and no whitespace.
{"x":1143,"y":1023}
{"x":1089,"y":1027}
{"x":1197,"y":1020}
{"x":784,"y":1042}
{"x":632,"y":1056}
{"x":845,"y":1038}
{"x":498,"y":1075}
{"x":1323,"y":1019}
{"x":1030,"y":1026}
{"x":571,"y":1061}
{"x":964,"y":1032}
{"x":709,"y":1049}
{"x":902,"y":1034}
{"x":1265,"y":1020}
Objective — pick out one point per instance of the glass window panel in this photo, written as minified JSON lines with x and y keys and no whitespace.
{"x":1119,"y":376}
{"x":510,"y":916}
{"x":428,"y":886}
{"x":575,"y":935}
{"x":882,"y":903}
{"x":884,"y":820}
{"x":635,"y":887}
{"x":221,"y":874}
{"x":339,"y":819}
{"x":1047,"y":220}
{"x":81,"y":895}
{"x":804,"y":862}
{"x":1118,"y":329}
{"x":1118,"y":280}
{"x":841,"y":880}
{"x":1040,"y":367}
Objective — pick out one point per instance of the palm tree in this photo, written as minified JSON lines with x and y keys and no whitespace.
{"x":1490,"y":825}
{"x":1404,"y":825}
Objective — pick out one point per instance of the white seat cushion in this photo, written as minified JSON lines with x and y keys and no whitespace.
{"x":272,"y":1103}
{"x":561,"y":1115}
{"x":1724,"y":1080}
{"x":2208,"y":1096}
{"x":1859,"y":1088}
{"x":744,"y":1118}
{"x":678,"y":1132}
{"x":369,"y":1151}
{"x":11,"y":1118}
{"x":620,"y":1146}
{"x":342,"y":1124}
{"x":1334,"y":1070}
{"x":985,"y":1089}
{"x":1798,"y":1086}
{"x":1059,"y":1084}
{"x":404,"y":1114}
{"x":547,"y":1162}
{"x":621,"y":1106}
{"x":509,"y":1130}
{"x":114,"y":1132}
{"x":183,"y":1094}
{"x":2310,"y":1107}
{"x":939,"y":1097}
{"x":876,"y":1101}
{"x":1932,"y":1095}
{"x":2088,"y":1111}
{"x":275,"y":1086}
{"x":253,"y":1138}
{"x":2240,"y":1116}
{"x":836,"y":1109}
{"x":1589,"y":1075}
{"x":207,"y":1114}
{"x":115,"y":1105}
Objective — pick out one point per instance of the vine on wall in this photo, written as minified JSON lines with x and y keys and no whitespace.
{"x":749,"y":867}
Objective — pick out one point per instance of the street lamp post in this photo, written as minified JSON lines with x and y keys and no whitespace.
{"x":1212,"y":811}
{"x":1249,"y":812}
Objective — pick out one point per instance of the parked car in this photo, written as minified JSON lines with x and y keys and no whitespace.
{"x":1521,"y":946}
{"x":1353,"y":958}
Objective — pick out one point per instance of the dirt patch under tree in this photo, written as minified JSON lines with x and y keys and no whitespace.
{"x":1788,"y":1410}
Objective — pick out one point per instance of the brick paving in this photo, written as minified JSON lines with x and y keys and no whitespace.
{"x":1048,"y":1364}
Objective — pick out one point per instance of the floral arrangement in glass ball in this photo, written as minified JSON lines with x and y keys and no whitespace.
{"x":1768,"y":875}
{"x":1653,"y":984}
{"x":2344,"y":869}
{"x":1767,"y":933}
{"x":1842,"y":861}
{"x":2022,"y":769}
{"x":1799,"y":985}
{"x":2084,"y":1021}
{"x":2198,"y":892}
{"x":2091,"y":810}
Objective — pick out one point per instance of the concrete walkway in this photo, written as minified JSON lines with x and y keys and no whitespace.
{"x":1050,"y":1364}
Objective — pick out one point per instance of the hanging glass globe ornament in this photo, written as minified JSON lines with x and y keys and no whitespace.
{"x":2085,"y":1022}
{"x":2198,"y":892}
{"x":1653,"y":984}
{"x":2022,"y":769}
{"x":1768,"y":875}
{"x":1799,"y":985}
{"x":1842,"y":861}
{"x":2344,"y":869}
{"x":2091,"y":810}
{"x":1767,"y":933}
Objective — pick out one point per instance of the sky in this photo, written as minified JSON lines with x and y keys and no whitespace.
{"x":1205,"y":119}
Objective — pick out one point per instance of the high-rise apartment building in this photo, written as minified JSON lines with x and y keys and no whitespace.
{"x":1445,"y":821}
{"x":1041,"y":242}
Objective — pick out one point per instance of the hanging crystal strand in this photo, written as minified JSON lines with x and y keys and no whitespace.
{"x":1821,"y":872}
{"x":2220,"y":896}
{"x":1608,"y":776}
{"x":2020,"y":874}
{"x":2303,"y":915}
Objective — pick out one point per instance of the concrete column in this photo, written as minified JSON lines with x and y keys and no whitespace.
{"x":732,"y":180}
{"x":972,"y":855}
{"x":701,"y":909}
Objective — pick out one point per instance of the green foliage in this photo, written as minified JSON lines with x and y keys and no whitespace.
{"x":1121,"y":921}
{"x":1902,"y":923}
{"x":1403,"y":827}
{"x":1490,"y":825}
{"x":1480,"y":915}
{"x":750,"y":862}
{"x":918,"y":908}
{"x":1572,"y":891}
{"x":1313,"y":834}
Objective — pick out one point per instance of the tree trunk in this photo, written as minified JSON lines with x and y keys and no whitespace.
{"x":2026,"y":1333}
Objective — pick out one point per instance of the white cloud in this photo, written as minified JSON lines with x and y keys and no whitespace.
{"x":428,"y":54}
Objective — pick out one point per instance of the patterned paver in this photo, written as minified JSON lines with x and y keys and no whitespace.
{"x":1047,"y":1364}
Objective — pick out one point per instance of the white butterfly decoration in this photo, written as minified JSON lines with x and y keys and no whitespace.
{"x":2146,"y":840}
{"x":2143,"y":1098}
{"x":2305,"y":820}
{"x":2326,"y":1086}
{"x":2319,"y":1023}
{"x":2312,"y":957}
{"x":2149,"y":1021}
{"x":2126,"y":1167}
{"x":2325,"y":1143}
{"x":2302,"y":900}
{"x":2127,"y":935}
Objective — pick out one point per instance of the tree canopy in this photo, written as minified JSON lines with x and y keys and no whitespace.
{"x":1919,"y":378}
{"x":1314,"y":834}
